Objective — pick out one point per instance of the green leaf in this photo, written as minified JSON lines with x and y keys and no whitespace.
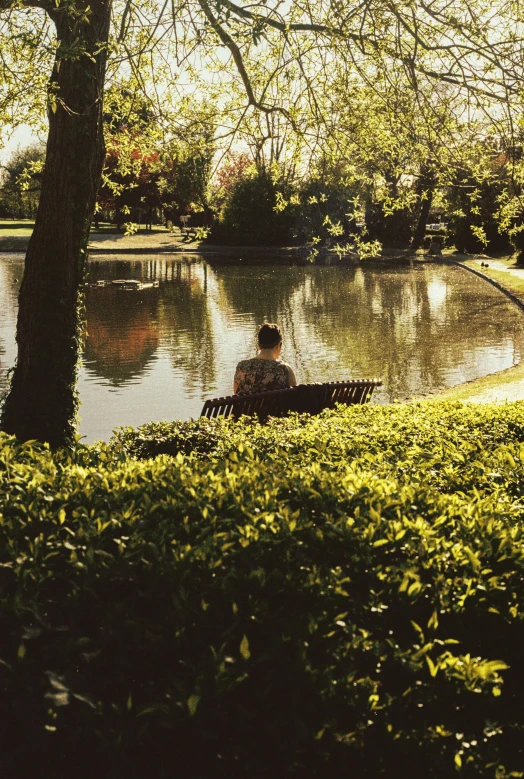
{"x":472,"y":557}
{"x":192,"y":704}
{"x":244,"y":648}
{"x":433,"y":620}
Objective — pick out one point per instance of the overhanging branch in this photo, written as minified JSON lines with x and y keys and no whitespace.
{"x":233,"y":47}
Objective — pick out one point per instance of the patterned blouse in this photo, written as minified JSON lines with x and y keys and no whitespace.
{"x":258,"y":375}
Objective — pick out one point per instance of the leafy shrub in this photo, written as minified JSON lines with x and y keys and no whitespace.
{"x":472,"y":206}
{"x":322,"y":210}
{"x":203,"y":436}
{"x":394,"y":229}
{"x":337,"y":596}
{"x":249,"y":216}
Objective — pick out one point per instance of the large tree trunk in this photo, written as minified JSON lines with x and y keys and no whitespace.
{"x":42,"y":401}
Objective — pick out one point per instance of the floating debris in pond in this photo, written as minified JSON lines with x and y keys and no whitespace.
{"x":126,"y":284}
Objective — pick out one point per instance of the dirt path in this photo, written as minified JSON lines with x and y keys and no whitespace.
{"x":507,"y":392}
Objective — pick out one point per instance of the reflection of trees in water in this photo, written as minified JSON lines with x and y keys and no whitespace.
{"x":186,"y":325}
{"x":258,"y":294}
{"x":10,"y":277}
{"x":116,"y":269}
{"x":333,"y":318}
{"x":261,"y":291}
{"x":125,"y":327}
{"x":406,"y":324}
{"x":122,"y":332}
{"x":386,"y":328}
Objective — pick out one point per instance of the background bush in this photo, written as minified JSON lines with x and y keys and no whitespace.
{"x":337,"y":596}
{"x":320,"y":205}
{"x":472,"y":204}
{"x":249,"y":217}
{"x":393,"y":230}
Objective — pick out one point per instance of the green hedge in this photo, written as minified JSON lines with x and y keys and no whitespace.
{"x":331,"y":597}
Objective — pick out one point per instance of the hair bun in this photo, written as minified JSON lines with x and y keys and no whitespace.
{"x":269,"y":336}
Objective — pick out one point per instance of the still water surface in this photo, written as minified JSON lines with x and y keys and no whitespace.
{"x":158,"y":353}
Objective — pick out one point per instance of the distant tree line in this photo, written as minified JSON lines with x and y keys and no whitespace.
{"x":20,"y":183}
{"x":245,"y":202}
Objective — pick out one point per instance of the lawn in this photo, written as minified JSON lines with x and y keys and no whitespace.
{"x":24,"y":227}
{"x":15,"y":234}
{"x":16,"y":227}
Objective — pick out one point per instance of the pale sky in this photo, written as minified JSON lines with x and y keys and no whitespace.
{"x":22,"y":136}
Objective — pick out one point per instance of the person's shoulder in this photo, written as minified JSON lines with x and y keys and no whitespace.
{"x":246,"y":365}
{"x":291,"y":374}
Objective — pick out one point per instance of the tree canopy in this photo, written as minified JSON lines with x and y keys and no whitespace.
{"x":271,"y":69}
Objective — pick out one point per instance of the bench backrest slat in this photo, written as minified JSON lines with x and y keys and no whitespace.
{"x":310,"y":398}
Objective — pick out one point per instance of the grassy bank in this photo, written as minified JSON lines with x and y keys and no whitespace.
{"x":15,"y":235}
{"x":502,"y":269}
{"x":329,"y":597}
{"x":507,"y":385}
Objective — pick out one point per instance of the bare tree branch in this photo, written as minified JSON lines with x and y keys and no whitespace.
{"x":228,"y":41}
{"x":283,"y":26}
{"x":123,"y":23}
{"x":6,"y":5}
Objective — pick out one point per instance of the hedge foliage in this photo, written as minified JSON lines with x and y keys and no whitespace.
{"x":249,"y":217}
{"x":334,"y":597}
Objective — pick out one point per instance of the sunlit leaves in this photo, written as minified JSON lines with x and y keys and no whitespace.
{"x":358,"y":575}
{"x":26,"y":55}
{"x":244,"y":648}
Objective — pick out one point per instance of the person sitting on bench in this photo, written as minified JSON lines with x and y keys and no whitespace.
{"x":265,"y":371}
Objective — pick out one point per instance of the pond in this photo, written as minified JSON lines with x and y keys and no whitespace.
{"x":158,"y":353}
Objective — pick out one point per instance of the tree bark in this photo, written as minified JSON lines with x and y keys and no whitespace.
{"x":42,"y":402}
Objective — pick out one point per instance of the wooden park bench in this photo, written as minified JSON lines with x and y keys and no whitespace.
{"x":305,"y":398}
